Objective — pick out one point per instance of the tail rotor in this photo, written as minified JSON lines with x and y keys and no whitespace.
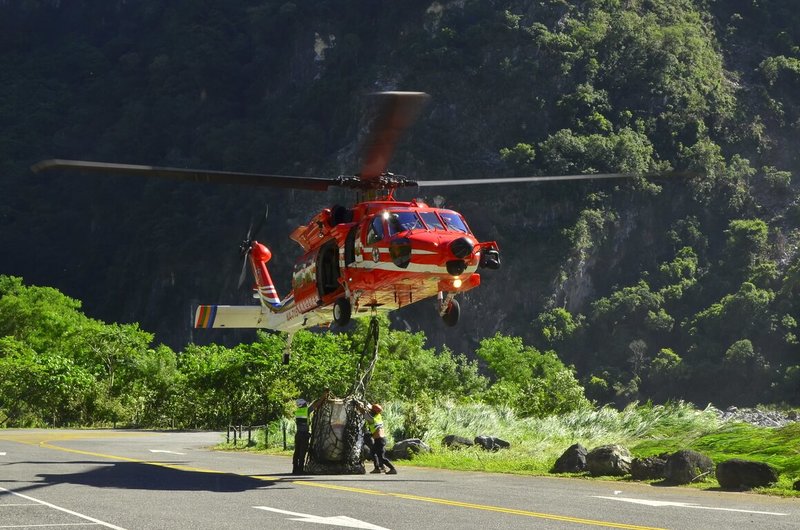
{"x":246,"y":246}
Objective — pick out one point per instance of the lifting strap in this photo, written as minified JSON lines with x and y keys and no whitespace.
{"x":366,"y":363}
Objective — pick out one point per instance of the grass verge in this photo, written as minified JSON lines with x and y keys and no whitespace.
{"x":536,"y":443}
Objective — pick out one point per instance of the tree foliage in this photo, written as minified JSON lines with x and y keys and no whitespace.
{"x":60,"y":367}
{"x":533,"y":383}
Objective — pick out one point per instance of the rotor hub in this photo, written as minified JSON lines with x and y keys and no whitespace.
{"x":385,"y":181}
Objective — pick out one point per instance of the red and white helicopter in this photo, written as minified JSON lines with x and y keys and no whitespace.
{"x":377,"y":255}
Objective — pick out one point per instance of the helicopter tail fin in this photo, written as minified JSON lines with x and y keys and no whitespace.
{"x":264,"y":289}
{"x":268,"y":294}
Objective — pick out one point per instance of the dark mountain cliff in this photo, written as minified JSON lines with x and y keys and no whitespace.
{"x":637,"y":283}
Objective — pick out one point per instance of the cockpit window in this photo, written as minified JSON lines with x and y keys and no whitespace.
{"x":402,"y":221}
{"x":454,"y":222}
{"x":431,"y":220}
{"x":375,"y":232}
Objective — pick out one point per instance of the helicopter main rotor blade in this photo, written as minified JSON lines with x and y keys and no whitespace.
{"x":547,"y":178}
{"x":397,"y":112}
{"x":193,"y":175}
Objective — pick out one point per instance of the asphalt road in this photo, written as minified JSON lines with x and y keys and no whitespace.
{"x":154,"y":480}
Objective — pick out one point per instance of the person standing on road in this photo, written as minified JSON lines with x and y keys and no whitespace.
{"x":374,"y":421}
{"x":302,"y":433}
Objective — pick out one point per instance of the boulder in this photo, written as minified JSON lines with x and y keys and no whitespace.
{"x":456,"y":442}
{"x":491,"y":443}
{"x":573,"y":460}
{"x":606,"y":460}
{"x":404,"y":449}
{"x":737,"y":474}
{"x":687,"y":466}
{"x":649,"y":468}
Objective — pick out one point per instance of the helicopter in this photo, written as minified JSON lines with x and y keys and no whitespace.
{"x":378,"y":255}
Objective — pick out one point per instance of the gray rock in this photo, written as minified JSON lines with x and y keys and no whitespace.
{"x":456,"y":442}
{"x":649,"y":468}
{"x":757,"y":417}
{"x":491,"y":443}
{"x":687,"y":466}
{"x":405,"y":449}
{"x":745,"y":474}
{"x":607,"y":460}
{"x":573,"y":460}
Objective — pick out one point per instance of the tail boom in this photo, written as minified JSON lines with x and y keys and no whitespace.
{"x":257,"y":316}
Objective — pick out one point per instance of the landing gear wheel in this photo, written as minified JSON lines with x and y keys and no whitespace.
{"x":452,"y":313}
{"x":341,"y":311}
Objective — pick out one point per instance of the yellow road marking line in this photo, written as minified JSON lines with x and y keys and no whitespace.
{"x":484,"y":507}
{"x":406,"y":496}
{"x":33,"y":439}
{"x":39,"y":437}
{"x":342,"y":488}
{"x":177,"y":467}
{"x":48,"y":445}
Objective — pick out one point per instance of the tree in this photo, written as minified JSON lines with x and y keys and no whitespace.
{"x":42,"y":389}
{"x":557,"y":325}
{"x":665,"y":364}
{"x":520,"y":157}
{"x":743,"y":314}
{"x":533,"y":383}
{"x":407,"y":370}
{"x":746,"y":241}
{"x":741,"y":355}
{"x":41,"y":317}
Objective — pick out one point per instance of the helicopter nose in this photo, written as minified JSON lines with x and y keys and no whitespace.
{"x":462,"y":247}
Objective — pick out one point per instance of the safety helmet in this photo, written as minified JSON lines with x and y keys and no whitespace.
{"x":301,"y":402}
{"x":376,"y":408}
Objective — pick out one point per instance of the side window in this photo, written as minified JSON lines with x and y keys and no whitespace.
{"x":375,"y":232}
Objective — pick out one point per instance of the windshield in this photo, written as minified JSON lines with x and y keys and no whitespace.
{"x":454,"y":221}
{"x":402,"y":221}
{"x":431,"y":220}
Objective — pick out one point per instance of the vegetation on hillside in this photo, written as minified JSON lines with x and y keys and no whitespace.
{"x":668,"y":289}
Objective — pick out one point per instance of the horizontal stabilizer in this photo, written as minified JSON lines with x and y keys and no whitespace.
{"x":229,"y":316}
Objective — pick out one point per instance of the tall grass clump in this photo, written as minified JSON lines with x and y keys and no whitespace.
{"x":537,"y":442}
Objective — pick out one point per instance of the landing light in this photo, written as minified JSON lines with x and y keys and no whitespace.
{"x":457,"y":283}
{"x":386,"y":215}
